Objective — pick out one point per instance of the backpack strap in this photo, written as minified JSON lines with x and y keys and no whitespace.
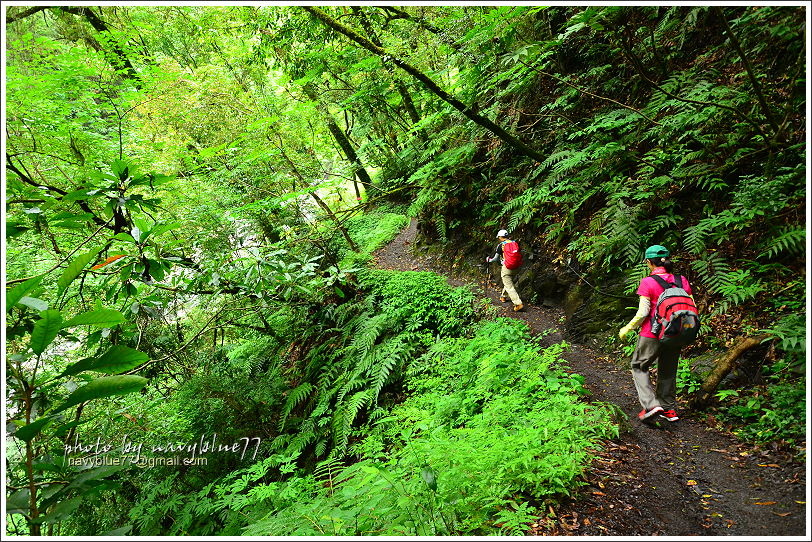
{"x":662,"y":282}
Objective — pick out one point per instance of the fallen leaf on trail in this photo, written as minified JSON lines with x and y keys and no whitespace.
{"x":801,"y":502}
{"x":691,"y":482}
{"x":720,"y":451}
{"x":744,"y":454}
{"x":765,"y":503}
{"x":783,"y":515}
{"x":773,"y":465}
{"x":600,"y":493}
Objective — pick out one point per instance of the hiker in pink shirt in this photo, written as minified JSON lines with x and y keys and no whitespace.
{"x":650,"y":352}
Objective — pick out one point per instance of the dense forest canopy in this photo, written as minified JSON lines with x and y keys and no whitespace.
{"x":193,"y":196}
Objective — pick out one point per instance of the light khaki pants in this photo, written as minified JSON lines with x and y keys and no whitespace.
{"x":648,"y":353}
{"x":508,"y":287}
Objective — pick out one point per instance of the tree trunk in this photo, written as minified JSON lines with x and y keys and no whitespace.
{"x":722,"y":367}
{"x":343,"y":142}
{"x":349,"y":151}
{"x":469,"y":112}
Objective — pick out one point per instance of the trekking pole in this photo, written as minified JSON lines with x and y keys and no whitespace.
{"x":486,"y":278}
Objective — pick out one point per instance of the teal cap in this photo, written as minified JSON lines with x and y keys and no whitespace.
{"x":656,"y":251}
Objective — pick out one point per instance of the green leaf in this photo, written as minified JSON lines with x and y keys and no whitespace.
{"x":116,"y":360}
{"x":92,"y":475}
{"x":124,"y":237}
{"x":73,"y":270}
{"x":80,"y":194}
{"x":14,"y":229}
{"x":429,"y":477}
{"x":34,"y":303}
{"x":101,"y":317}
{"x":45,"y":330}
{"x":106,"y":386}
{"x":15,"y":295}
{"x":27,"y":432}
{"x":121,"y":169}
{"x":163,"y":228}
{"x":60,"y":511}
{"x":17,"y":502}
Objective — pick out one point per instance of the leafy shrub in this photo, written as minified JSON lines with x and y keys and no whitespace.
{"x":776,"y":412}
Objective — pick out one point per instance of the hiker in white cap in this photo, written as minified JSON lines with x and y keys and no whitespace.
{"x":507,"y":252}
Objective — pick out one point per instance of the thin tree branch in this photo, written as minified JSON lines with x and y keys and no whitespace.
{"x":748,"y":67}
{"x":14,"y":281}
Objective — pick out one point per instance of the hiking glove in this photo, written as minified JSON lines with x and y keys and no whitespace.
{"x":624,"y":331}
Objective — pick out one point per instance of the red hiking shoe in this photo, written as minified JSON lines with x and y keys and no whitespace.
{"x":670,"y":415}
{"x":646,"y":414}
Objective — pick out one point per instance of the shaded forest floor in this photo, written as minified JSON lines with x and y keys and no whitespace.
{"x":678,"y":479}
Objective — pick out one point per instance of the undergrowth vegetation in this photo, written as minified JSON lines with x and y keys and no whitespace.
{"x":401,"y":410}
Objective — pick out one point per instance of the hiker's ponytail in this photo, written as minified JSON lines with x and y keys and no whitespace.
{"x":663,"y":262}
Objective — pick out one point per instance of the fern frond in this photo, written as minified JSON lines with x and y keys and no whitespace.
{"x":327,"y":470}
{"x":367,"y":333}
{"x":295,"y":396}
{"x":661,"y":223}
{"x":382,"y":371}
{"x":714,"y":271}
{"x":791,"y":240}
{"x":695,"y":237}
{"x":345,"y":416}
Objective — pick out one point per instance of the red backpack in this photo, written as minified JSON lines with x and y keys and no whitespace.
{"x":512,"y":256}
{"x":675,"y":320}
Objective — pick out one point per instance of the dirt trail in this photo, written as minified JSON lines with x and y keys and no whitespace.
{"x":682,"y":479}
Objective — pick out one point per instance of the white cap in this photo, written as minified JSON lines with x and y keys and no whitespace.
{"x":502,"y":233}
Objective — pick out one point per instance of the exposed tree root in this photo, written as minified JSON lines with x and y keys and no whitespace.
{"x":722,"y":367}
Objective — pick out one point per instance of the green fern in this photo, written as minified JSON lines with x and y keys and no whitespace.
{"x":739,"y":287}
{"x":295,"y":396}
{"x":383,"y":370}
{"x":621,"y":230}
{"x":326,"y":471}
{"x":368,"y":331}
{"x":714,"y":271}
{"x":791,"y":240}
{"x":661,"y":223}
{"x":345,"y":416}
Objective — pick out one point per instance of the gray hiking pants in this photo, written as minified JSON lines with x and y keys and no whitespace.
{"x":509,"y":289}
{"x":650,"y":353}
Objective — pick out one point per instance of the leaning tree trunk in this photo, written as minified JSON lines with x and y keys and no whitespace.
{"x":352,"y":157}
{"x":343,"y":141}
{"x":468,"y":111}
{"x":722,"y":367}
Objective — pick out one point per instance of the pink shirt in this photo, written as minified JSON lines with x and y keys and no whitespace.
{"x":651,"y":289}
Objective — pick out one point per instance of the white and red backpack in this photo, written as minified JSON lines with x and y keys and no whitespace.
{"x":675,"y":320}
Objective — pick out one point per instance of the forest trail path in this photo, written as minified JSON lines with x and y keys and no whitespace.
{"x":681,"y":479}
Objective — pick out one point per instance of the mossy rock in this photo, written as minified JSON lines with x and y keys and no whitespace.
{"x":591,"y":312}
